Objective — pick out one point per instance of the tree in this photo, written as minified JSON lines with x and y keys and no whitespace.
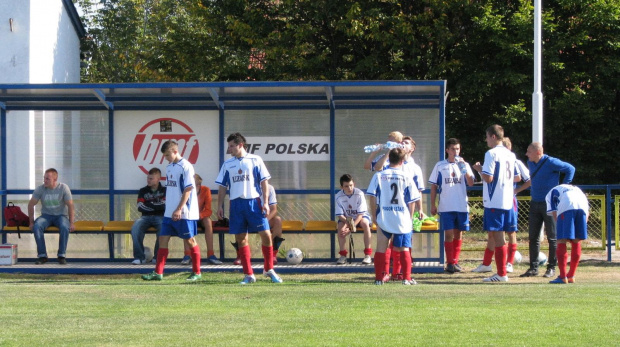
{"x":483,"y":48}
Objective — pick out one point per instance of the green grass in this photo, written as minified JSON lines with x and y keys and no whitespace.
{"x":311,"y":310}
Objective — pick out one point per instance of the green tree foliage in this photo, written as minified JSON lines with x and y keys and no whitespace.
{"x":483,"y":48}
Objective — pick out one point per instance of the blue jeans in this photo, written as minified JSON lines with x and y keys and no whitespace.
{"x":47,"y":220}
{"x":137,"y":234}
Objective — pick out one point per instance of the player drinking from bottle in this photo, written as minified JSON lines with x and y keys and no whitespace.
{"x":393,"y":194}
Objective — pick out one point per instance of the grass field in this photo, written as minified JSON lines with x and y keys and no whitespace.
{"x":311,"y":310}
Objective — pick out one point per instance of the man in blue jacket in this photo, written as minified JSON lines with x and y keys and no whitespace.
{"x":544,"y":175}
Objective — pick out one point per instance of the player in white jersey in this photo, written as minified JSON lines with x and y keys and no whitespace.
{"x":449,"y":179}
{"x":569,"y":207}
{"x":352,"y":212}
{"x":498,"y":175}
{"x":181,"y":215}
{"x":414,"y":170}
{"x":247,"y":178}
{"x":512,"y":235}
{"x":393,"y":194}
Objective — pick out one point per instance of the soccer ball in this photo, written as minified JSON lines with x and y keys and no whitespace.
{"x":542,"y":259}
{"x":294,"y":256}
{"x":148,"y":254}
{"x":518,"y":257}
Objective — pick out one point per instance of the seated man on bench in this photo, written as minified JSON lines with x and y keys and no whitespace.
{"x":152,"y":204}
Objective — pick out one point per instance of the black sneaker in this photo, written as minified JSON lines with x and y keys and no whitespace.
{"x":62,"y":260}
{"x":549,"y":273}
{"x":458,"y":268}
{"x":530,"y":273}
{"x":41,"y":261}
{"x":450,"y":268}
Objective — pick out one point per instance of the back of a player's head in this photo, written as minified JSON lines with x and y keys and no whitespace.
{"x":170,"y":144}
{"x":507,"y":143}
{"x":496,"y":130}
{"x":236,"y":138}
{"x":155,"y":171}
{"x":397,"y":155}
{"x":345,"y":179}
{"x":395,"y":136}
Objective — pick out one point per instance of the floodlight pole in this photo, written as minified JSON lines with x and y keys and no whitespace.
{"x":537,"y":96}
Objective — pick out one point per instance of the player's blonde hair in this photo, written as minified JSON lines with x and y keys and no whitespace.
{"x":395,"y":136}
{"x":507,"y":143}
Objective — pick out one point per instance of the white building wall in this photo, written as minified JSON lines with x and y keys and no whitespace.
{"x":43,"y":46}
{"x":14,"y":41}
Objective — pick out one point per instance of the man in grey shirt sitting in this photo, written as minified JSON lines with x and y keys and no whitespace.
{"x":56,"y":210}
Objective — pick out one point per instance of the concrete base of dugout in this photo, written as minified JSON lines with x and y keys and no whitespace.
{"x":83,"y":267}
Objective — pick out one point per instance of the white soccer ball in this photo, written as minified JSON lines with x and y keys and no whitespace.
{"x":148,"y":254}
{"x":518,"y":257}
{"x":294,"y":256}
{"x":542,"y":259}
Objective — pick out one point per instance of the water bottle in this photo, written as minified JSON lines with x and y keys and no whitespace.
{"x":461,"y":164}
{"x":392,"y":144}
{"x":372,"y":148}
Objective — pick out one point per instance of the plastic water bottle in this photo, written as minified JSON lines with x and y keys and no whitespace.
{"x":461,"y":164}
{"x":372,"y":148}
{"x":392,"y":144}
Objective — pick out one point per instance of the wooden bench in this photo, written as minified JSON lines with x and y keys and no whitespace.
{"x":113,"y":228}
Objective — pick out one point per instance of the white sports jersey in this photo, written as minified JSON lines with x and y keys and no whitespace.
{"x":499,"y":162}
{"x":523,"y":170}
{"x":351,"y":205}
{"x":394,"y":190}
{"x":272,"y":195}
{"x":451,"y":186}
{"x":179,"y":176}
{"x":566,"y":197}
{"x":414,"y":169}
{"x":243,"y":176}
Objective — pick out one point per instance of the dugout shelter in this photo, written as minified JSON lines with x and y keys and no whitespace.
{"x":103,"y":138}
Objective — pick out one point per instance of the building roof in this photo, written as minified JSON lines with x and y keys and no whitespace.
{"x":224,"y":95}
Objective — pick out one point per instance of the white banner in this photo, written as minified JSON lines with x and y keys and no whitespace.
{"x":290,"y":148}
{"x":138,"y":136}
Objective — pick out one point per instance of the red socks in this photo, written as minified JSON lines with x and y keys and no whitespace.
{"x":268,"y":257}
{"x":195,"y":254}
{"x":500,"y":260}
{"x":575,"y":255}
{"x":512,"y":249}
{"x":405,"y":260}
{"x":456,"y":246}
{"x":162,"y":255}
{"x":367,"y":251}
{"x":396,"y":266}
{"x":244,"y":256}
{"x":386,"y":261}
{"x":488,"y":257}
{"x":380,"y":265}
{"x":210,"y":253}
{"x":562,"y":259}
{"x":343,"y":253}
{"x":449,"y":248}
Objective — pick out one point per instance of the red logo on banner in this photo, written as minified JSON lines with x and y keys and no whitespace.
{"x":147,"y":143}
